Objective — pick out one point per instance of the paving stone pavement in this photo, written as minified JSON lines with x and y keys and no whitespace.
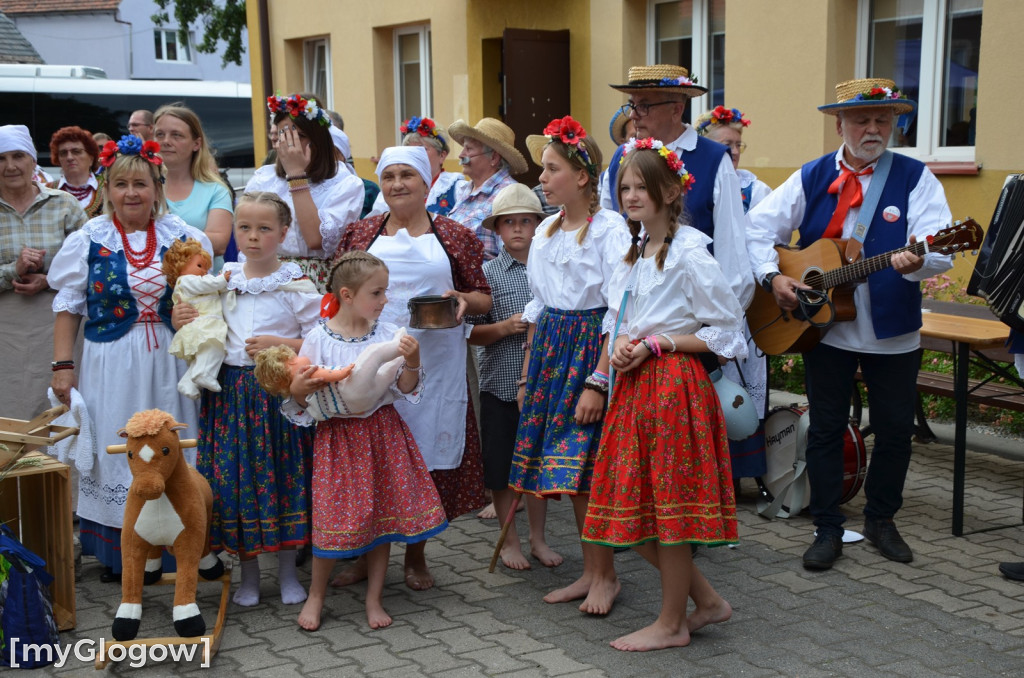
{"x":949,"y":613}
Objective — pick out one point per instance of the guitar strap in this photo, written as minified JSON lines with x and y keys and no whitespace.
{"x":867,"y":210}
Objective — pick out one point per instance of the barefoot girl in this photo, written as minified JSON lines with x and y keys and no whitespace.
{"x":257,"y":462}
{"x":370,"y":485}
{"x":564,"y":379}
{"x":662,"y":479}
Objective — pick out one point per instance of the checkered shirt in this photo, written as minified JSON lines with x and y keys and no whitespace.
{"x":472,"y":207}
{"x":502,"y":362}
{"x":48,"y":220}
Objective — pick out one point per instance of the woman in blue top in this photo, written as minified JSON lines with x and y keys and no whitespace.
{"x":194,"y":190}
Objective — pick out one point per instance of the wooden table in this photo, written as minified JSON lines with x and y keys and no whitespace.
{"x":967,"y":335}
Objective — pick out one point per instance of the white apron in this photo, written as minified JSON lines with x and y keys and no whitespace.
{"x":420,"y":266}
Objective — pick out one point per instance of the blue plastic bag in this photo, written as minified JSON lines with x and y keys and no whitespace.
{"x":26,"y":612}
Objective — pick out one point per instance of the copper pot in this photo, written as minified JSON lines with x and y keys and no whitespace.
{"x":433,"y":312}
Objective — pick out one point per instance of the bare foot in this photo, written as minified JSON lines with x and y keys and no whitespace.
{"x":488,"y":513}
{"x":653,"y":637}
{"x":376,"y":616}
{"x":545,"y":555}
{"x":418,"y":577}
{"x":355,"y":572}
{"x":701,"y":617}
{"x":309,"y":618}
{"x":574,"y":591}
{"x":513,"y":558}
{"x":601,"y":596}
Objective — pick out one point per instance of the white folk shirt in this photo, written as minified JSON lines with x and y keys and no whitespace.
{"x":731,"y":224}
{"x":690,"y":295}
{"x":568,"y":276}
{"x":338,"y":200}
{"x":282,"y":304}
{"x":774,"y":220}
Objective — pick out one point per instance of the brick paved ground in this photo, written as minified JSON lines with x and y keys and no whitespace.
{"x":949,"y":613}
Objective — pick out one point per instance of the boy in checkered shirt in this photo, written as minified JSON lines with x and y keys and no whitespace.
{"x":515,"y":216}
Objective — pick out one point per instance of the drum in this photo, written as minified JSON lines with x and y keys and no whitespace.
{"x":785,"y":437}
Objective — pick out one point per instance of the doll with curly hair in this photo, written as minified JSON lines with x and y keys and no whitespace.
{"x":201,"y":343}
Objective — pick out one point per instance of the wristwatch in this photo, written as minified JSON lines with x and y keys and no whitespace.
{"x":767,"y":282}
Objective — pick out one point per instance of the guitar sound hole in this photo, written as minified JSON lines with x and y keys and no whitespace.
{"x":814,"y":280}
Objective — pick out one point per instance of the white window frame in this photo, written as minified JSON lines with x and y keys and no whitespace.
{"x":161,"y":56}
{"x":701,"y":49}
{"x":929,"y":106}
{"x":426,"y":83}
{"x":310,"y":70}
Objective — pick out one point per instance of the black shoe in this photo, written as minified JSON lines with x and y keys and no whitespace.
{"x":823,"y":552}
{"x":1014,"y":571}
{"x":108,"y":576}
{"x":886,"y":538}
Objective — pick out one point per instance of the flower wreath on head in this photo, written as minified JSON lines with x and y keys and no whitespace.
{"x":671,"y":159}
{"x":295,"y":105}
{"x":129,"y":145}
{"x":721,"y":115}
{"x":879,"y":94}
{"x":572,"y":134}
{"x":425,"y":127}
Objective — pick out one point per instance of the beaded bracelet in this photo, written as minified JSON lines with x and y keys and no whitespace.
{"x":298,"y":184}
{"x":595,"y":385}
{"x":654,"y":345}
{"x":646,"y":344}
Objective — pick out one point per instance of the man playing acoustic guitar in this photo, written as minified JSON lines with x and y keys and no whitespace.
{"x":825,"y":199}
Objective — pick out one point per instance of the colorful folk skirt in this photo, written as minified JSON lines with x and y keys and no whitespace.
{"x":554,"y":455}
{"x":662,"y":472}
{"x":370,"y":486}
{"x":317,"y":270}
{"x":258,"y":464}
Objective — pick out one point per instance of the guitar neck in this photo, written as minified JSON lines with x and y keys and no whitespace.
{"x":865,"y":267}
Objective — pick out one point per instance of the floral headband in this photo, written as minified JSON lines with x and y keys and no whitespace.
{"x":296,"y":105}
{"x":572,"y":134}
{"x":129,"y":145}
{"x":671,"y":159}
{"x":878,"y":94}
{"x":425,"y":127}
{"x":721,"y":115}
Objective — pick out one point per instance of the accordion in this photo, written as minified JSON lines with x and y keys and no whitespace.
{"x":998,"y":276}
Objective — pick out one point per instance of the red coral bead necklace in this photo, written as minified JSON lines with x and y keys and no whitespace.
{"x":135,"y":258}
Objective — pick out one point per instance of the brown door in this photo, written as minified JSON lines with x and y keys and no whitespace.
{"x":535,"y":74}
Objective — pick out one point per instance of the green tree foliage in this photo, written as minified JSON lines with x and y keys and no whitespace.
{"x":222,"y":21}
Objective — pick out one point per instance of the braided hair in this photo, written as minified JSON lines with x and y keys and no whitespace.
{"x":659,"y":180}
{"x":351,"y":270}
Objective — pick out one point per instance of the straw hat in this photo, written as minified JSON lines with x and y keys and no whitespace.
{"x":662,"y":77}
{"x":617,"y":127}
{"x":515,"y":198}
{"x":493,"y":133}
{"x":868,"y":92}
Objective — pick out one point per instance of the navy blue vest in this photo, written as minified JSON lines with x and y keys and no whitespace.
{"x":895,"y":302}
{"x":112,"y":308}
{"x":699,"y":204}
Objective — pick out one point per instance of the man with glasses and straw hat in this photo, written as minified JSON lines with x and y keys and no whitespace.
{"x":489,"y":159}
{"x":880,"y":201}
{"x":657,"y":98}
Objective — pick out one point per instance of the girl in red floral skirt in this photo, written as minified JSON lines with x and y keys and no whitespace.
{"x":371,"y":486}
{"x":662,"y":478}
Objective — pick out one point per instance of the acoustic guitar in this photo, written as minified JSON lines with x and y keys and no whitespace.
{"x":823,"y":268}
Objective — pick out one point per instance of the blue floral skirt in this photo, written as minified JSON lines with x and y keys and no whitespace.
{"x":554,"y":455}
{"x":258,"y":464}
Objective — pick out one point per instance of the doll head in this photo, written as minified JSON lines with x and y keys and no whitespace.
{"x":274,"y":368}
{"x":185,"y":257}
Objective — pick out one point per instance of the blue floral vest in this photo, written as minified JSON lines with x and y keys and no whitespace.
{"x":112,"y":308}
{"x":895,"y":302}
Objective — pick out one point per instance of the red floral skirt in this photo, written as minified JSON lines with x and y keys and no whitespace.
{"x":662,"y":471}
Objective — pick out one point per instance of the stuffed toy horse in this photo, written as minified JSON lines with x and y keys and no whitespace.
{"x":169,"y":504}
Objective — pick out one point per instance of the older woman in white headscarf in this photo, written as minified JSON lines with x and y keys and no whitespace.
{"x":34,"y":221}
{"x":428,"y":254}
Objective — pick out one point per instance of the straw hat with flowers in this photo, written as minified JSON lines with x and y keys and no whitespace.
{"x":869,"y":92}
{"x":662,"y":77}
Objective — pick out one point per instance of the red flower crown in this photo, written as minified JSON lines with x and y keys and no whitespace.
{"x":571,"y":133}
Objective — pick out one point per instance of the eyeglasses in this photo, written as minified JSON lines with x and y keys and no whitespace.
{"x":642,"y":110}
{"x":70,"y":152}
{"x":738,"y":146}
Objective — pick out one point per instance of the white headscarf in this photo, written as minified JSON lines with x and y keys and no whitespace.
{"x":17,"y":138}
{"x":413,"y":156}
{"x":341,"y":143}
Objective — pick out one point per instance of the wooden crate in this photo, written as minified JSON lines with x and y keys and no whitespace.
{"x":35,"y":503}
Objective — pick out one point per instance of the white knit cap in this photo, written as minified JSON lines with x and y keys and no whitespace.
{"x":413,"y":156}
{"x":17,"y":138}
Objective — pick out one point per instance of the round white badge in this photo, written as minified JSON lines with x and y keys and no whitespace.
{"x":891,"y":213}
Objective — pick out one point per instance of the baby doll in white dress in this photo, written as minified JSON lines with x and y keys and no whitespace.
{"x":200,"y":343}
